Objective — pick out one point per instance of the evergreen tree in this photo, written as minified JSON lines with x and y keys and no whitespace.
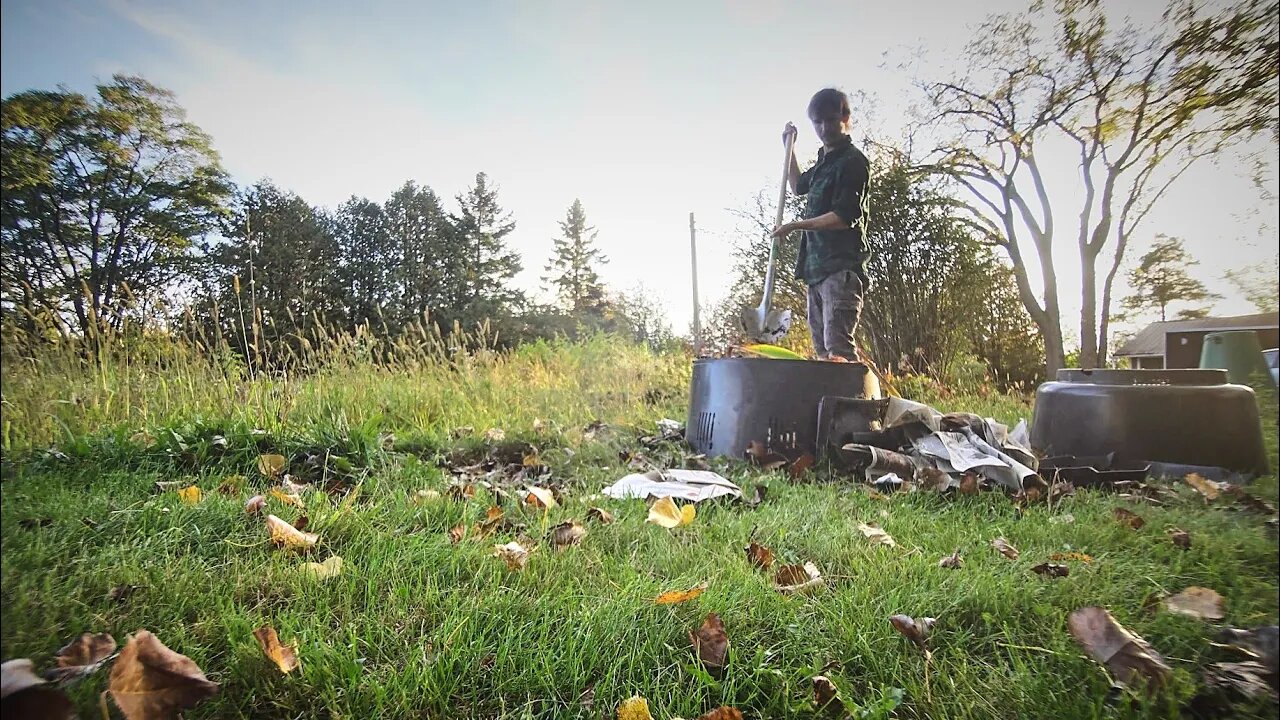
{"x":487,"y":265}
{"x":1161,"y":278}
{"x":572,"y":267}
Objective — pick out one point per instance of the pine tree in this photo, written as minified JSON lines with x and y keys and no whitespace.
{"x":487,"y":264}
{"x":1161,"y":278}
{"x":572,"y":267}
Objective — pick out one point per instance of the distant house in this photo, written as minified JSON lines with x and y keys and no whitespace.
{"x":1177,"y":343}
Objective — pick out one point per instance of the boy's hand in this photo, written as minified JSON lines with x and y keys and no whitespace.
{"x":789,"y":130}
{"x":782,"y":231}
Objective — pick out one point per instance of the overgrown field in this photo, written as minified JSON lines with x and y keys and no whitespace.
{"x":418,"y":626}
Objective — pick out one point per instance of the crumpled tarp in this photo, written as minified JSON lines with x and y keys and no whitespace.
{"x":954,"y":443}
{"x":692,"y":485}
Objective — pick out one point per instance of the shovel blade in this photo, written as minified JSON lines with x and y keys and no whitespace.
{"x":765,"y":327}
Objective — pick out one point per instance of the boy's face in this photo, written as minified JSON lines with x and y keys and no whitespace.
{"x":829,"y":126}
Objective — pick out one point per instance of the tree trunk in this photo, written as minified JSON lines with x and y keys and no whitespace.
{"x":1088,"y":309}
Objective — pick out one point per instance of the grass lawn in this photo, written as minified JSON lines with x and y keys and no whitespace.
{"x":416,"y":626}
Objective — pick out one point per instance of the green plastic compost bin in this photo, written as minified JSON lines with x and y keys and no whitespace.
{"x":1237,"y":352}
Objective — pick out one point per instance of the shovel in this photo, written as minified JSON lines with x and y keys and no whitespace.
{"x":765,"y":324}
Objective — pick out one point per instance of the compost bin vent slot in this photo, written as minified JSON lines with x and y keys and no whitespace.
{"x":776,"y":438}
{"x":706,"y":428}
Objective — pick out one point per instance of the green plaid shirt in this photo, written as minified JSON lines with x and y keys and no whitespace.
{"x":836,"y":183}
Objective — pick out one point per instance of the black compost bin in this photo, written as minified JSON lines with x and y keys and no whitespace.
{"x":734,"y":401}
{"x":1191,"y":417}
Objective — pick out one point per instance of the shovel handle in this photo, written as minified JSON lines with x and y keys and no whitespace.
{"x":782,"y":209}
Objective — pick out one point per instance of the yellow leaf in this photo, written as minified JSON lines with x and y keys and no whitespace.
{"x":665,"y":513}
{"x":635,"y":708}
{"x":1206,"y":487}
{"x":288,"y":536}
{"x":876,"y":535}
{"x":287,"y":498}
{"x":513,"y":554}
{"x":687,"y":514}
{"x":323,"y":570}
{"x":285,"y":657}
{"x":671,"y":597}
{"x":539,"y":497}
{"x":189,"y":495}
{"x":272,"y":465}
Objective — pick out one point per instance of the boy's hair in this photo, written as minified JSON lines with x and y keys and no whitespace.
{"x":829,"y":101}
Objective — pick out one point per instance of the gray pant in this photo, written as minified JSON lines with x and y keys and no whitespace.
{"x":835,"y":304}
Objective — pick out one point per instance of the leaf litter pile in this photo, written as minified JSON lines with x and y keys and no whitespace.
{"x":514,"y":504}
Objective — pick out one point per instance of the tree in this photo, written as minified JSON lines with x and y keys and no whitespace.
{"x":367,"y":259}
{"x":1161,"y":278}
{"x":427,"y":264}
{"x":488,"y":265}
{"x":572,"y":266}
{"x":1259,"y":285}
{"x":101,"y":199}
{"x":1140,"y":106}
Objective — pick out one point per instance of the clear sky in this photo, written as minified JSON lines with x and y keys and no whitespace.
{"x":646,"y":111}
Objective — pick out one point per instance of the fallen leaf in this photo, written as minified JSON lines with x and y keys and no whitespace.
{"x":1206,"y":487}
{"x":1197,"y":602}
{"x":1248,"y":680}
{"x":301,"y":522}
{"x":761,"y":457}
{"x":422,"y":496}
{"x":798,"y":578}
{"x":760,"y":556}
{"x":1250,"y":502}
{"x":914,"y":629}
{"x":710,"y":643}
{"x":120,"y":593}
{"x":1128,"y":517}
{"x":288,"y":498}
{"x":933,"y":480}
{"x":968,"y":484}
{"x":1051,"y":570}
{"x":149,"y":681}
{"x":1260,"y":643}
{"x":164,"y":486}
{"x":494,"y":435}
{"x":825,"y":693}
{"x":539,"y":497}
{"x":567,"y":533}
{"x":285,"y":657}
{"x":513,"y":554}
{"x":1126,"y":656}
{"x":604,"y":517}
{"x":723,"y":712}
{"x":23,"y":694}
{"x":255,"y":504}
{"x":1059,"y":490}
{"x":457,"y":533}
{"x":288,"y":536}
{"x":189,"y":495}
{"x":288,"y":485}
{"x":82,"y":656}
{"x":1086,"y":559}
{"x":876,"y":535}
{"x":667,"y":514}
{"x":272,"y":465}
{"x":331,"y":567}
{"x":801,"y":465}
{"x":634,"y":708}
{"x":952,"y":561}
{"x":232,"y":485}
{"x":1005,"y":548}
{"x":672,"y":597}
{"x":1181,"y":538}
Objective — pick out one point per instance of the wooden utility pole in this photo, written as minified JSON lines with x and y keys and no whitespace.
{"x":693,"y":262}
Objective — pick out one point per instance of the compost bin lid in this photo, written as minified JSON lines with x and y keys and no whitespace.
{"x":1143,"y":377}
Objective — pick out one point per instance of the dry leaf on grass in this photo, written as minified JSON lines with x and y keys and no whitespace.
{"x":1128,"y":517}
{"x":801,"y":465}
{"x":539,"y":497}
{"x":952,"y":561}
{"x":272,"y":465}
{"x":1197,"y":602}
{"x":761,"y":457}
{"x":604,"y":517}
{"x":1206,"y":487}
{"x":1260,"y":643}
{"x":1180,"y":538}
{"x":189,"y":495}
{"x":569,"y":532}
{"x":634,"y":708}
{"x":513,"y":554}
{"x":1126,"y":656}
{"x":932,"y":479}
{"x":825,"y":693}
{"x":82,"y":656}
{"x":495,"y":435}
{"x":1247,"y":680}
{"x":284,"y":656}
{"x":164,"y":486}
{"x":723,"y":712}
{"x":151,"y":682}
{"x":25,"y":695}
{"x":1059,"y":557}
{"x":301,"y":522}
{"x":760,"y":556}
{"x":422,"y":496}
{"x":288,"y":498}
{"x":710,"y":643}
{"x":798,"y":578}
{"x":672,"y":597}
{"x":255,"y":504}
{"x":665,"y":513}
{"x":461,"y":492}
{"x":1005,"y":548}
{"x":331,"y":567}
{"x":288,"y":536}
{"x":968,"y":484}
{"x":457,"y":533}
{"x":876,"y":535}
{"x":1051,"y":570}
{"x":915,"y":629}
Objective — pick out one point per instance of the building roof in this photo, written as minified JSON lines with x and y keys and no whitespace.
{"x":1149,"y":342}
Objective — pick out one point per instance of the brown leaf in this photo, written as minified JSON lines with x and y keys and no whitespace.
{"x":301,"y":522}
{"x":710,"y":643}
{"x":801,"y":465}
{"x":151,"y":682}
{"x":288,"y":536}
{"x":272,"y":465}
{"x":1060,"y":490}
{"x":1244,"y":679}
{"x":914,"y":629}
{"x":1206,"y":487}
{"x":604,"y":517}
{"x":285,"y":657}
{"x":461,"y":492}
{"x":1005,"y":548}
{"x":539,"y":497}
{"x":1128,"y":517}
{"x":255,"y":504}
{"x":825,"y":693}
{"x":760,"y":556}
{"x":1051,"y":570}
{"x":494,"y":435}
{"x":1126,"y":656}
{"x":672,"y":597}
{"x":724,"y":712}
{"x":24,"y":695}
{"x":761,"y":457}
{"x":288,"y":498}
{"x":1197,"y":602}
{"x":968,"y":484}
{"x":877,"y":536}
{"x":82,"y":656}
{"x":567,"y":533}
{"x":1181,"y":538}
{"x":952,"y":561}
{"x":798,"y":578}
{"x":1059,"y":557}
{"x":513,"y":554}
{"x":932,"y":479}
{"x":457,"y":533}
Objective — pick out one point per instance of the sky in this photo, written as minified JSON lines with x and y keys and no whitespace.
{"x":645,"y":112}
